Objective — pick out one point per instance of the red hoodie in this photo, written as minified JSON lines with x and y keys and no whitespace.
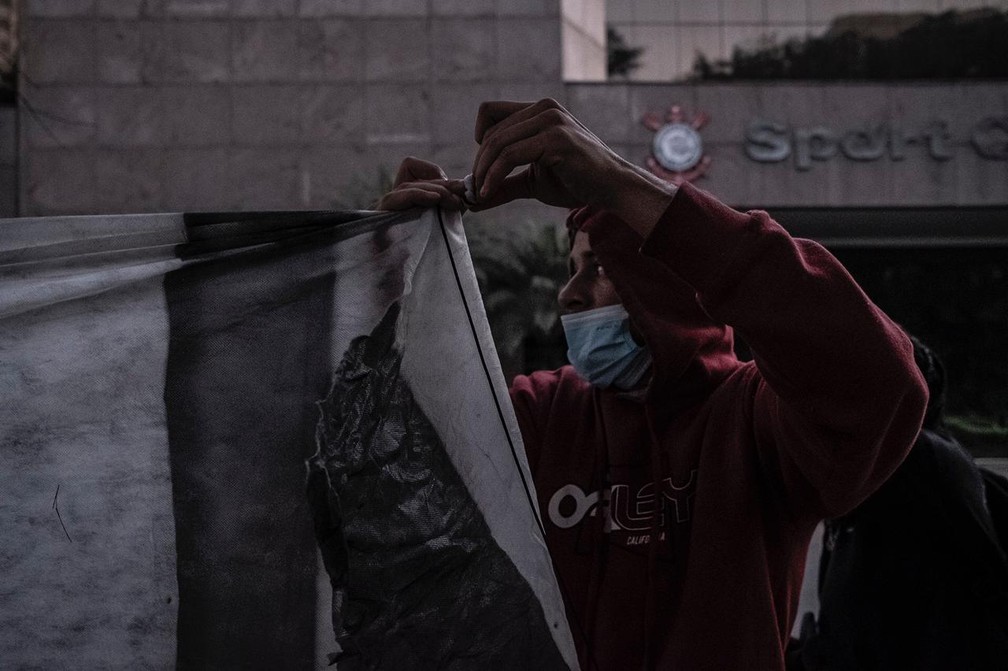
{"x":748,"y":457}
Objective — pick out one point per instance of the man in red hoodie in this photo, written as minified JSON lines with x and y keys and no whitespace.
{"x":680,"y":486}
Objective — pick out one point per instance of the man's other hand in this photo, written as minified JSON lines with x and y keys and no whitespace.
{"x":420,"y":183}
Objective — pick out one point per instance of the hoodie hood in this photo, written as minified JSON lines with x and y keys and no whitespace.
{"x":692,"y":353}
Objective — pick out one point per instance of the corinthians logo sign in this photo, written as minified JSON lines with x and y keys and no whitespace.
{"x":676,"y":150}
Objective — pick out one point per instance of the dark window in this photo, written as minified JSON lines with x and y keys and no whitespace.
{"x":956,"y":301}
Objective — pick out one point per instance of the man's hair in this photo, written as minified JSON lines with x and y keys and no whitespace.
{"x":575,"y":218}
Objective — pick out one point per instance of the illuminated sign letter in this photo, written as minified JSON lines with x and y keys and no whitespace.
{"x":864,"y":145}
{"x":813,"y":143}
{"x":990,"y":138}
{"x":767,"y":142}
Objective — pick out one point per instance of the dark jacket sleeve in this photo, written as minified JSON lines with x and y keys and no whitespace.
{"x":838,"y":400}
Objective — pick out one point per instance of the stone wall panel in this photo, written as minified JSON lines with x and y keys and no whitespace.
{"x":267,"y":115}
{"x":925,"y":181}
{"x":332,"y":114}
{"x":264,"y":51}
{"x":198,"y":179}
{"x":264,"y":8}
{"x":61,"y":116}
{"x":130,"y":116}
{"x":188,"y":9}
{"x":528,"y":50}
{"x":454,"y":108}
{"x":128,"y":181}
{"x":58,"y":181}
{"x":120,"y":9}
{"x":729,"y":108}
{"x":854,"y":105}
{"x":397,"y":50}
{"x":395,"y":8}
{"x":59,"y":51}
{"x":531,"y":8}
{"x":317,"y":8}
{"x":464,"y":50}
{"x":187,"y":51}
{"x":120,"y":52}
{"x":398,"y":114}
{"x":604,"y":109}
{"x":980,"y":180}
{"x":331,"y":50}
{"x":60,"y":8}
{"x":868,"y":183}
{"x":196,"y":116}
{"x":266,"y":179}
{"x":460,"y":8}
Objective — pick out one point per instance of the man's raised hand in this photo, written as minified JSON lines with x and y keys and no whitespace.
{"x":555,"y":159}
{"x":560,"y":162}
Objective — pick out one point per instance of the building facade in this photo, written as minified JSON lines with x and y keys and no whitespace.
{"x":218,"y":104}
{"x":169,"y":105}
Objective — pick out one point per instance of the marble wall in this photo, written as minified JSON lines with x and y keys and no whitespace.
{"x":168,"y":105}
{"x":241,"y":104}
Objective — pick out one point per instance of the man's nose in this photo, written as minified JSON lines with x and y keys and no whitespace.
{"x":572,"y":297}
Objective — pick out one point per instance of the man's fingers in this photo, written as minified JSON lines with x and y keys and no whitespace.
{"x":499,"y":114}
{"x":404,"y":199}
{"x":514,"y":187}
{"x":499,"y":140}
{"x":535,"y":149}
{"x":422,"y":194}
{"x":545,"y":139}
{"x":414,"y":169}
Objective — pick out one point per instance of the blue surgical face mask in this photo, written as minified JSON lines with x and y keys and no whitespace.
{"x":601,"y":348}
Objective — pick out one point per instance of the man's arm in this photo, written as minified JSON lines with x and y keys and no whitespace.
{"x":838,"y":400}
{"x":565,"y":165}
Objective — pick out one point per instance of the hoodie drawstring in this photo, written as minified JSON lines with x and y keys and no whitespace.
{"x":597,"y":534}
{"x":651,"y":600}
{"x":598,"y":537}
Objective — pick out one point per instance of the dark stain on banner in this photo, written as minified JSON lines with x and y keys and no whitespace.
{"x":248,"y":357}
{"x":418,"y":580}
